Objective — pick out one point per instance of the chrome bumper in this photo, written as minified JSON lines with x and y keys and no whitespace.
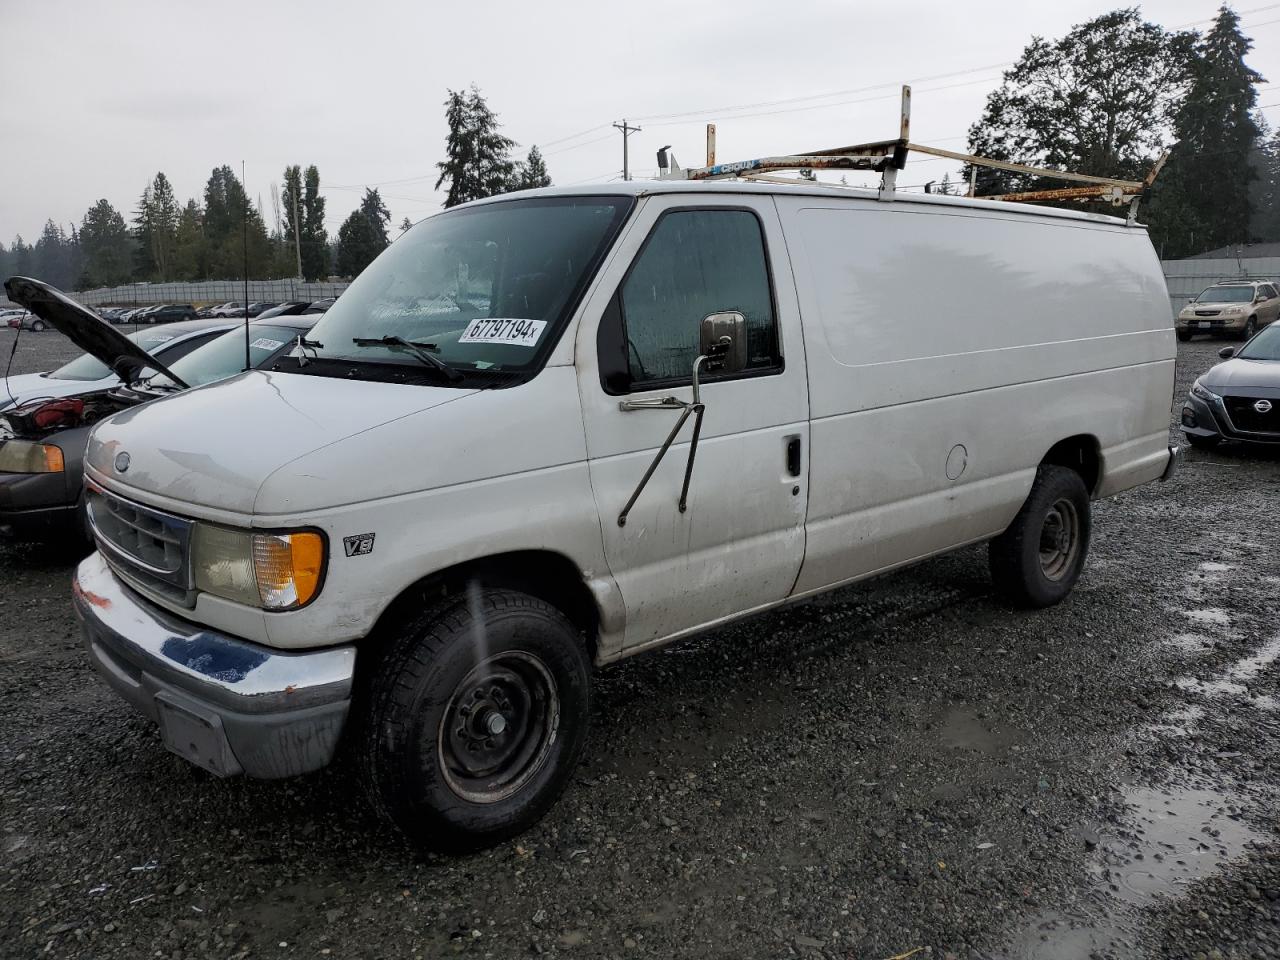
{"x":223,"y":703}
{"x":1176,"y":451}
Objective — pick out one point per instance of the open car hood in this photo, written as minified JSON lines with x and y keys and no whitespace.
{"x":87,"y":331}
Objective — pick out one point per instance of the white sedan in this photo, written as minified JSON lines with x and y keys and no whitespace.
{"x":86,"y":373}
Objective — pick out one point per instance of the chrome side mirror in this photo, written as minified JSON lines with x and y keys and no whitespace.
{"x":722,"y":339}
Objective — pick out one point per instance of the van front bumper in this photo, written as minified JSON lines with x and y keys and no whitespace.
{"x":224,"y":704}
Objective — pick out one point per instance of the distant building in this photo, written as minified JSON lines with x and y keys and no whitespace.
{"x":1240,"y":251}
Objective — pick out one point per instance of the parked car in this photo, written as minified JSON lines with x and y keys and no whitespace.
{"x":42,"y":442}
{"x":232,"y":308}
{"x":87,"y":373}
{"x":289,"y":308}
{"x":26,"y":321}
{"x":1236,"y":308}
{"x":1238,"y":399}
{"x":259,"y":306}
{"x":461,"y":491}
{"x":170,"y":312}
{"x":320,"y":306}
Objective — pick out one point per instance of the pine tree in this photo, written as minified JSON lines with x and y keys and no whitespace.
{"x":164,"y":225}
{"x":20,"y":258}
{"x":144,"y":263}
{"x":479,"y":160}
{"x":405,"y":224}
{"x":190,"y":253}
{"x":1264,"y":192}
{"x":107,"y":246}
{"x":1202,"y":197}
{"x":533,"y":172}
{"x":315,"y":241}
{"x":291,"y":201}
{"x":1100,"y":100}
{"x":363,"y":235}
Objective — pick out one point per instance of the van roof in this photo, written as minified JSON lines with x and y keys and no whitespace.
{"x":641,"y":188}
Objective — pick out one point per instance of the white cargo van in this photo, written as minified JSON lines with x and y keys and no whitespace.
{"x":553,"y":429}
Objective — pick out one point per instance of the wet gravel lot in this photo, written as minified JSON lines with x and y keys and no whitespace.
{"x":906,"y":765}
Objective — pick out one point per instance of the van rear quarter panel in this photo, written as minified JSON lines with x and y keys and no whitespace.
{"x":936,"y":332}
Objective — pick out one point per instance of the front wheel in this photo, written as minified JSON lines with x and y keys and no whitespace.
{"x":1250,"y":328}
{"x":1037,"y":561}
{"x":1184,"y":336}
{"x":476,"y":717}
{"x":37,"y":326}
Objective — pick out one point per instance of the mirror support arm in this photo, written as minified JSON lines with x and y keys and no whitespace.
{"x":694,"y":408}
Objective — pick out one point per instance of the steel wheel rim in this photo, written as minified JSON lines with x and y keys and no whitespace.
{"x":1059,"y":539}
{"x":498,"y":727}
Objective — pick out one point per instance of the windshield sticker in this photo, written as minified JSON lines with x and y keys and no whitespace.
{"x":155,"y":341}
{"x":517,"y":333}
{"x":265,"y":343}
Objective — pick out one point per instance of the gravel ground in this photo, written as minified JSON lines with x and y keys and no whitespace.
{"x":906,"y":765}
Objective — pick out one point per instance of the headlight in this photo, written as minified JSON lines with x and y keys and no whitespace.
{"x":1198,"y":390}
{"x":275,"y":571}
{"x":22,"y":456}
{"x":1233,"y":311}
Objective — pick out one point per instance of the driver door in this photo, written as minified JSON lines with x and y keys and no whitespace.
{"x":739,"y":543}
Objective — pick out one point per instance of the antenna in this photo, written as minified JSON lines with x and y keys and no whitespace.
{"x":245,"y":191}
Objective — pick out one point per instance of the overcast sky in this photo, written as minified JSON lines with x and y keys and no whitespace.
{"x":98,"y":97}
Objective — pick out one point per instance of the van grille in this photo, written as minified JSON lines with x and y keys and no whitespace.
{"x":1245,"y":417}
{"x":147,"y":547}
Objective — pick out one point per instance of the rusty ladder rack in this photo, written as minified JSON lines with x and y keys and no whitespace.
{"x":887,"y":157}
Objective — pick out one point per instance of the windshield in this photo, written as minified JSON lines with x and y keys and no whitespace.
{"x":488,"y":287}
{"x":1265,"y":346}
{"x":89,"y":367}
{"x":1226,"y":295}
{"x":220,"y":358}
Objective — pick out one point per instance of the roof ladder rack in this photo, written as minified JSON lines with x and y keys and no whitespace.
{"x":887,"y":157}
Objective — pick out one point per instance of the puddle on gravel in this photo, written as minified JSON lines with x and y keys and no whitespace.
{"x":1234,"y":680}
{"x":1214,"y":615}
{"x":1210,"y":566}
{"x":1171,"y":838}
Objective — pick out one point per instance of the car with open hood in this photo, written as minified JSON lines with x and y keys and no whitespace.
{"x":43,"y":441}
{"x":88,"y":374}
{"x":1238,"y":399}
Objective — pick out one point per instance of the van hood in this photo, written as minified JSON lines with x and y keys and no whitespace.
{"x":217,"y":445}
{"x":1238,"y":372}
{"x":85,"y":329}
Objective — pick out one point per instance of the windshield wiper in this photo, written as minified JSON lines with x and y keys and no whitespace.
{"x":419,"y":350}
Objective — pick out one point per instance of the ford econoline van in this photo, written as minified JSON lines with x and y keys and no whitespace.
{"x":552,"y":429}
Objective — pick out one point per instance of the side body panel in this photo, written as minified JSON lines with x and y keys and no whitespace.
{"x":948,"y":350}
{"x":740,"y":543}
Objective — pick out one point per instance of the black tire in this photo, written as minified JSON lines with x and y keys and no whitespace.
{"x":432,"y":698}
{"x":1203,"y":443}
{"x":37,"y":326}
{"x":1184,"y":336}
{"x":1250,"y":328}
{"x":1037,"y":561}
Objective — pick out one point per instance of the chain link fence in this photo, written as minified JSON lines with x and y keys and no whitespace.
{"x":207,"y":292}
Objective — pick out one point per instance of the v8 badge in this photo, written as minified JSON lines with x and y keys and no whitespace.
{"x":359,"y":545}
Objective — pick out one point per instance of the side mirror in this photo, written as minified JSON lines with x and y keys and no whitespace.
{"x":1226,"y":353}
{"x":722,"y":339}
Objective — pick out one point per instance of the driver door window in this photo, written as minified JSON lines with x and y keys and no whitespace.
{"x":695,"y":263}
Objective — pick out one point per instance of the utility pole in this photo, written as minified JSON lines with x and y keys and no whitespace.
{"x":626,"y":133}
{"x":297,"y":242}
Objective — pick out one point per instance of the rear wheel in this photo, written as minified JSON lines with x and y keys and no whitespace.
{"x":475,"y":719}
{"x":37,"y":326}
{"x":1037,"y":561}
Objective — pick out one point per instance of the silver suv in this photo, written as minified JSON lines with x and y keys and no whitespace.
{"x":1235,"y":308}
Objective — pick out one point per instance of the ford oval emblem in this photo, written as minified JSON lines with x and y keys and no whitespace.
{"x":1263,"y":406}
{"x":122,"y":462}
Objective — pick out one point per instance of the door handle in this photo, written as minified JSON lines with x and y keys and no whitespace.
{"x":793,"y":456}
